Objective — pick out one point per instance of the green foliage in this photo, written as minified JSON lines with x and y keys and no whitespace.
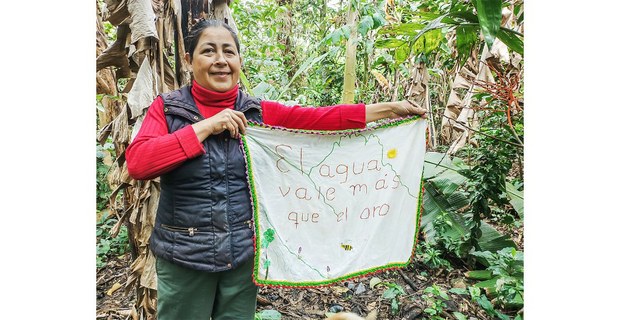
{"x":108,"y":28}
{"x":302,"y":62}
{"x":450,"y":230}
{"x":110,"y":31}
{"x":103,"y":187}
{"x":268,"y":315}
{"x":303,"y":68}
{"x":515,"y":197}
{"x":432,"y":257}
{"x":428,"y":24}
{"x":479,"y":274}
{"x":446,"y":220}
{"x":108,"y":246}
{"x":486,"y":183}
{"x":489,"y":17}
{"x":506,"y":266}
{"x":435,"y":299}
{"x":512,"y":40}
{"x":478,"y":297}
{"x":392,"y":293}
{"x":412,"y":38}
{"x":459,"y":316}
{"x":466,"y":38}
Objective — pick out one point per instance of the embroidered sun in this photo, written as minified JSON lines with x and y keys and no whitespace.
{"x":391,"y":153}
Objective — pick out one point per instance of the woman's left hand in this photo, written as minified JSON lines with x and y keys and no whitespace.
{"x":406,"y":108}
{"x":392,"y":110}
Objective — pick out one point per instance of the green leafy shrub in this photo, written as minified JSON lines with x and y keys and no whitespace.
{"x":506,"y":284}
{"x":392,"y":293}
{"x":107,"y":245}
{"x":448,"y":221}
{"x":103,"y":187}
{"x":491,"y":163}
{"x":432,"y":256}
{"x":436,"y":301}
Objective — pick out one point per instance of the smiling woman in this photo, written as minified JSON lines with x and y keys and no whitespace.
{"x":214,"y":58}
{"x":203,"y":234}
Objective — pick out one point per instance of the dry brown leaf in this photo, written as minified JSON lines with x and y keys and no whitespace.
{"x":114,"y":287}
{"x":459,"y":283}
{"x":459,"y":142}
{"x":152,"y":204}
{"x":124,"y":312}
{"x":338,"y":290}
{"x":383,"y":82}
{"x":117,"y":227}
{"x":120,"y":128}
{"x":372,"y":305}
{"x":142,"y":19}
{"x":149,"y":275}
{"x":459,"y":110}
{"x":141,"y":94}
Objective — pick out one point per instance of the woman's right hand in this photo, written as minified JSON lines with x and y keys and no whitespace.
{"x":227,"y":119}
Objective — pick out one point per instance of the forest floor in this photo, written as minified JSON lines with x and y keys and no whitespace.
{"x":314,"y":303}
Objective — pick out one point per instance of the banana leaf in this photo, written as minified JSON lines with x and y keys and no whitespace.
{"x":511,"y":40}
{"x":401,"y":29}
{"x":490,"y":283}
{"x":515,"y":197}
{"x":436,"y":203}
{"x":442,"y":179}
{"x":492,"y":240}
{"x":466,"y":37}
{"x":479,"y":274}
{"x":440,"y":166}
{"x":490,"y":18}
{"x":441,"y":196}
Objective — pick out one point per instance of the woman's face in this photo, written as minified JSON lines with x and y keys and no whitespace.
{"x":216,"y":62}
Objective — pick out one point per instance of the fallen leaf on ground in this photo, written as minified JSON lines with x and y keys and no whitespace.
{"x":114,"y":287}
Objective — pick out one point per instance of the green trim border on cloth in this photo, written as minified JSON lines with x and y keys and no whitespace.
{"x":256,"y":206}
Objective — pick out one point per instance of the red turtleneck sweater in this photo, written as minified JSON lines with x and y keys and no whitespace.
{"x":155,"y":151}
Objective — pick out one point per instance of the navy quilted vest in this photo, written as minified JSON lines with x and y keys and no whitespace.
{"x":204,"y":218}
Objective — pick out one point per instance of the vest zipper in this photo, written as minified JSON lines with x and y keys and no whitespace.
{"x":190,"y":230}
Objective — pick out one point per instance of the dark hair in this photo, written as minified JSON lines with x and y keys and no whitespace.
{"x":194,"y":34}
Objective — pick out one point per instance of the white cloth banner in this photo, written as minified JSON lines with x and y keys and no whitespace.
{"x":333,"y":205}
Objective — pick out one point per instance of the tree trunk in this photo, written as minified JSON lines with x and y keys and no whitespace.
{"x":348,"y":93}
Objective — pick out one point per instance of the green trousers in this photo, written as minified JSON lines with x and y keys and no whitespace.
{"x":187,"y":294}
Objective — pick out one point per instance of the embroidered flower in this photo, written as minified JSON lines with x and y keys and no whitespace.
{"x":391,"y":153}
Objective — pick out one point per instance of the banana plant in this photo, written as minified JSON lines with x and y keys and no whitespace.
{"x":445,"y":199}
{"x":454,"y":29}
{"x":425,"y":33}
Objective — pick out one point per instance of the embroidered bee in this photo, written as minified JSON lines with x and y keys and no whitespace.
{"x":346,"y":247}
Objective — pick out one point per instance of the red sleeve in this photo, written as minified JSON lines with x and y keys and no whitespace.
{"x":337,"y":117}
{"x":154,"y":151}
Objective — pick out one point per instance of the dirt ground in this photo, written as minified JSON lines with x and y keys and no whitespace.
{"x":314,"y":303}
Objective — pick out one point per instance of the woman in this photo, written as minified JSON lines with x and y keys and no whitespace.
{"x":203,"y":233}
